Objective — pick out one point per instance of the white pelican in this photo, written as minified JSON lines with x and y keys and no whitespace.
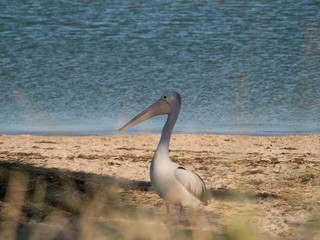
{"x":173,"y":183}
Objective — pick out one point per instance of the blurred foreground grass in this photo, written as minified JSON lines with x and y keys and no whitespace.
{"x":38,"y":203}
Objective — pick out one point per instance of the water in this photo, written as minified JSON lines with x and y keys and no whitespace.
{"x":88,"y":67}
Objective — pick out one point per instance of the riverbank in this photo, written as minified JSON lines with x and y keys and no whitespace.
{"x":270,"y":184}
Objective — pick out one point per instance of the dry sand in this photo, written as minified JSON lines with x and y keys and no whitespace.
{"x":268,"y":183}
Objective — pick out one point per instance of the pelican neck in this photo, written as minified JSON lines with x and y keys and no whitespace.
{"x":167,"y":131}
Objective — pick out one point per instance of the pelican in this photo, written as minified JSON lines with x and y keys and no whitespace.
{"x":173,"y":183}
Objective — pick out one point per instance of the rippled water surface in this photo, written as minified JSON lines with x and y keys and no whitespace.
{"x":78,"y":68}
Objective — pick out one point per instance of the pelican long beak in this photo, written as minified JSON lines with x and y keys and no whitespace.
{"x":158,"y":108}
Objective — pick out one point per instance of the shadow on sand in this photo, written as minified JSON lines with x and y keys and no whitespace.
{"x":52,"y":197}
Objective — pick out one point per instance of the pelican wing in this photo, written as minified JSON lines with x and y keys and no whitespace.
{"x":192,"y":182}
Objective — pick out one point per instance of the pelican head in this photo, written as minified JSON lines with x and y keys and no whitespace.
{"x":168,"y":103}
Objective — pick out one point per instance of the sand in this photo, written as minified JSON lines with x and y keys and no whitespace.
{"x":270,"y":183}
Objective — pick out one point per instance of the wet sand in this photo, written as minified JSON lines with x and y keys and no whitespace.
{"x":270,"y":183}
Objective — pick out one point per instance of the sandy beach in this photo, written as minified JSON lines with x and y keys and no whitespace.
{"x":270,"y":184}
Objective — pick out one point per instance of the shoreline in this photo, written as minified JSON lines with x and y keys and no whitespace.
{"x":100,"y":130}
{"x":115,"y":132}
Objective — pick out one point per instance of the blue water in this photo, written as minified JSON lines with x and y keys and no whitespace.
{"x":88,"y":67}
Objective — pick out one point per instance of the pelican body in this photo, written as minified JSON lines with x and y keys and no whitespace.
{"x":171,"y":182}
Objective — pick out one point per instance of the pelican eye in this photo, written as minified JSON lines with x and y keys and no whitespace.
{"x":164,"y":97}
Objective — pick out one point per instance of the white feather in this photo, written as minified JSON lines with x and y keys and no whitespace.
{"x":192,"y":182}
